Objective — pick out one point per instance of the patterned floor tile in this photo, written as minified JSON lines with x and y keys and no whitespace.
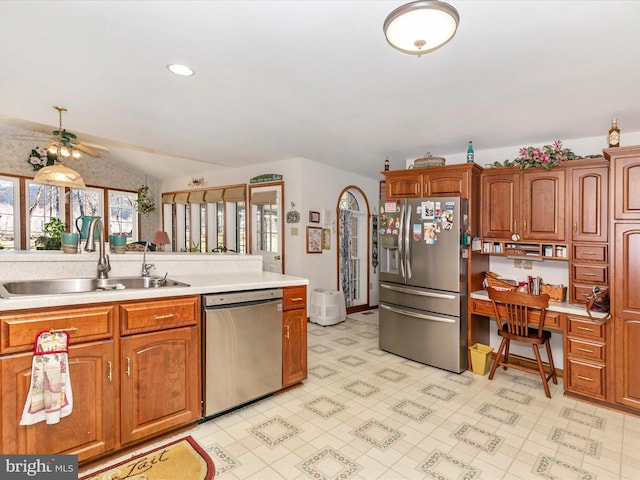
{"x":462,"y":379}
{"x":345,"y":341}
{"x":327,"y":464}
{"x":518,"y":397}
{"x":274,"y":431}
{"x":368,"y":335}
{"x":376,"y":351}
{"x":352,"y":361}
{"x":377,"y":434}
{"x":528,"y":381}
{"x":439,"y":392}
{"x":361,"y":389}
{"x":554,"y":469}
{"x":479,"y":438}
{"x":502,"y":415}
{"x":413,"y":410}
{"x":576,"y":442}
{"x":223,"y":463}
{"x":441,"y":466}
{"x":584,"y":418}
{"x":391,"y":375}
{"x":324,"y":406}
{"x":318,"y":332}
{"x":321,"y":371}
{"x":320,"y":348}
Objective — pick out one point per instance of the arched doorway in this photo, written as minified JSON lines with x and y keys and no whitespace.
{"x":353,"y":248}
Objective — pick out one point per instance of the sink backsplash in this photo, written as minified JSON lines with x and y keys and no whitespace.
{"x":24,"y":265}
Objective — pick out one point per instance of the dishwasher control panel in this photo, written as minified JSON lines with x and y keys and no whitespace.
{"x":232,"y":298}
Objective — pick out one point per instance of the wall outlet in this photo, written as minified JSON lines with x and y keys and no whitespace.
{"x":526,"y":264}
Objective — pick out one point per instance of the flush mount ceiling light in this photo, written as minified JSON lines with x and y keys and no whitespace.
{"x":178,"y":69}
{"x":60,"y":176}
{"x":421,"y":27}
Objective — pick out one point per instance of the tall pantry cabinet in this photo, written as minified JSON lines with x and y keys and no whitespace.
{"x":625,"y":284}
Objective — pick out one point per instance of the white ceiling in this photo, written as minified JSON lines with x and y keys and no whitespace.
{"x":315,"y":79}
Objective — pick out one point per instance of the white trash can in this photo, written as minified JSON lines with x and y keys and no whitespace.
{"x":327,"y":307}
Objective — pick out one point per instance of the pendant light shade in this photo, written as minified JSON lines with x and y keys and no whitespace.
{"x":421,"y":27}
{"x":60,"y":176}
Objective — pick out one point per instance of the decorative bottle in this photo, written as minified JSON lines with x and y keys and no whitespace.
{"x":386,"y":165}
{"x":470,"y":154}
{"x":614,"y":134}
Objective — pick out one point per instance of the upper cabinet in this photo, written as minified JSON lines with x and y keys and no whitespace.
{"x":529,"y":204}
{"x":589,"y":195}
{"x":447,"y":181}
{"x":626,"y":182}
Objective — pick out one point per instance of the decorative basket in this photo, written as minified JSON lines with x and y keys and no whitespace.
{"x":493,"y":280}
{"x":428,"y":161}
{"x":557,"y":293}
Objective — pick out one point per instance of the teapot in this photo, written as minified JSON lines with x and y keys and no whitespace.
{"x":83,"y":230}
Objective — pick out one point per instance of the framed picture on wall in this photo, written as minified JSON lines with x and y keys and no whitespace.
{"x":326,"y":239}
{"x":314,"y":217}
{"x":314,"y":240}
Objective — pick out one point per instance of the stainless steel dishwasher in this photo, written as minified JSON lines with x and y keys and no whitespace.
{"x":242,"y":345}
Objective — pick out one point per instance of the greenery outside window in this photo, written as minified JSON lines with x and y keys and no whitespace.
{"x":9,"y":214}
{"x":43,"y":203}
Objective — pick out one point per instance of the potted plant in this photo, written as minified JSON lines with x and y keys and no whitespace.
{"x":52,"y":238}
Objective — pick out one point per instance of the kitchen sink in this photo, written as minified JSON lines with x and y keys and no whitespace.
{"x":83,"y":285}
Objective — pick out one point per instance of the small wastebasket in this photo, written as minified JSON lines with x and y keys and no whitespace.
{"x":480,"y":355}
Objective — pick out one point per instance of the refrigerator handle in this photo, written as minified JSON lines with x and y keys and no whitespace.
{"x":401,"y":241}
{"x":421,"y":316}
{"x":407,"y":242}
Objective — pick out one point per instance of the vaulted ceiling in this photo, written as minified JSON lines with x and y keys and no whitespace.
{"x":314,"y":79}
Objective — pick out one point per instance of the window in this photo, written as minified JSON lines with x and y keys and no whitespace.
{"x":267,"y":227}
{"x":43,"y":204}
{"x":352,"y":245}
{"x":85,"y":202}
{"x":122,"y":217}
{"x":9,"y":214}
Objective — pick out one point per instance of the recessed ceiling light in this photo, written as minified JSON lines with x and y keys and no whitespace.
{"x":180,"y":69}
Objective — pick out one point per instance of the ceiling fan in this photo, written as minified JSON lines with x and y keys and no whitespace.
{"x":66,"y":144}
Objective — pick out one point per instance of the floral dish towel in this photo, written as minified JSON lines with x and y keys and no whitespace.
{"x":50,"y":396}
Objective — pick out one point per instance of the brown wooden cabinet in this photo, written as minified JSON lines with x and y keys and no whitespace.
{"x":585,"y":356}
{"x":530,"y":204}
{"x":90,"y":430}
{"x":447,"y":181}
{"x":294,"y":335}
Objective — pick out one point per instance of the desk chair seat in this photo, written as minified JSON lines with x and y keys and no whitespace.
{"x":512,"y":313}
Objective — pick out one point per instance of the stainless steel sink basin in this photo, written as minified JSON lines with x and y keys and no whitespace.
{"x":82,"y":285}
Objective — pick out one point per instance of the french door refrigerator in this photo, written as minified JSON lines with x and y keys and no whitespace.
{"x":423,"y":280}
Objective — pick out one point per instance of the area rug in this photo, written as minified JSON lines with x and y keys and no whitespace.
{"x":181,"y":459}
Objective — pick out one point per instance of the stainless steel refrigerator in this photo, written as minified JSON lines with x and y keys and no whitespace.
{"x":423,"y":280}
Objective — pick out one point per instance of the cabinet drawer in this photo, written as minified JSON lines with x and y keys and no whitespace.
{"x":585,"y":328}
{"x":586,"y":350}
{"x":294,"y":297}
{"x":585,"y":378}
{"x":83,"y":324}
{"x":581,"y":292}
{"x":590,"y":253}
{"x":159,"y":314}
{"x":482,"y":307}
{"x":590,"y":273}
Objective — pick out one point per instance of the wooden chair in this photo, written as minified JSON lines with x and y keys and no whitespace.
{"x":514,"y":312}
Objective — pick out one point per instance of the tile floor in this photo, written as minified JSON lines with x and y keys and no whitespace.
{"x":367,"y":414}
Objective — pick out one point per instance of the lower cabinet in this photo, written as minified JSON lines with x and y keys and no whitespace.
{"x":89,"y":431}
{"x":294,"y":336}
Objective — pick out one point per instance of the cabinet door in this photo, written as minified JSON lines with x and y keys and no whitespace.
{"x":89,"y":431}
{"x":589,"y":196}
{"x":160,"y":382}
{"x":446,"y":183}
{"x":543,"y":205}
{"x":294,"y":346}
{"x":403,"y":184}
{"x":500,"y":205}
{"x":626,"y":316}
{"x":627,"y":185}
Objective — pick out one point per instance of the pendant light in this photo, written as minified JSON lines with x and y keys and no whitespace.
{"x":421,"y":27}
{"x":60,"y":176}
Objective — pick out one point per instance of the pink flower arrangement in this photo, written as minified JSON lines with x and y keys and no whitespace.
{"x":545,"y":157}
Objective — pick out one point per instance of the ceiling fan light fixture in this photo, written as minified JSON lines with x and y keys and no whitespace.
{"x":60,"y":176}
{"x":181,"y":70}
{"x":421,"y":27}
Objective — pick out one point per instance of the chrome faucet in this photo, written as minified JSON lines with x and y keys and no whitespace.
{"x":146,"y":266}
{"x":90,"y":246}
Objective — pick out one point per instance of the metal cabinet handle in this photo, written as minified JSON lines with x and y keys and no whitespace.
{"x":586,"y":350}
{"x":110,"y":373}
{"x":575,"y":226}
{"x":589,"y":274}
{"x":586,"y":329}
{"x":589,"y":253}
{"x":297,"y":299}
{"x":585,"y":378}
{"x":287,"y":334}
{"x":68,"y":329}
{"x":524,"y":224}
{"x":128,"y":370}
{"x":162,"y":317}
